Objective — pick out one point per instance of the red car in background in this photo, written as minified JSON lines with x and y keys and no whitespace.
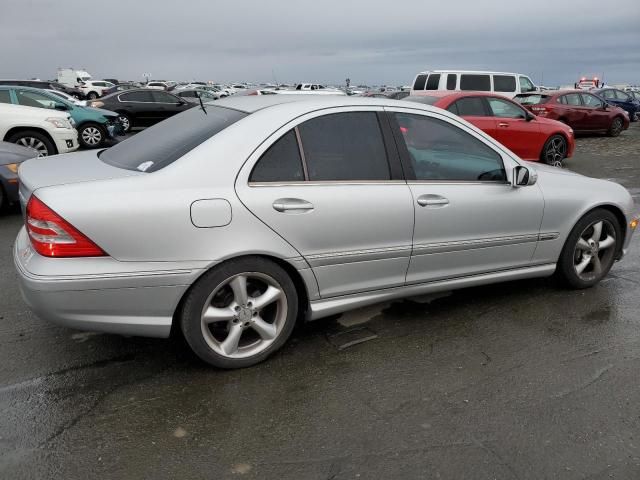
{"x":583,"y":111}
{"x":525,"y":134}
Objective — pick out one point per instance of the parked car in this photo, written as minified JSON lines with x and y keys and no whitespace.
{"x":528,"y":136}
{"x":122,"y":86}
{"x":95,"y":126}
{"x":160,"y":85}
{"x":582,"y":111}
{"x":142,"y":107}
{"x":48,"y":131}
{"x":66,"y":96}
{"x":194,"y":95}
{"x":97,"y":88}
{"x":11,"y":156}
{"x":621,"y":99}
{"x":507,"y":84}
{"x":46,"y":85}
{"x":236,"y":220}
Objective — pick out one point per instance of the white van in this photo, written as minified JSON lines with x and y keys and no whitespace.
{"x":507,"y":84}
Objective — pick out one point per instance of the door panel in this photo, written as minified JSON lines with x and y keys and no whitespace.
{"x":483,"y":228}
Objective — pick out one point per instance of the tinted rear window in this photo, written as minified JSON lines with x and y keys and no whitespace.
{"x":470,"y":106}
{"x":419,"y":83}
{"x":452,"y":79}
{"x":531,"y":99}
{"x":480,"y":83}
{"x":164,"y":143}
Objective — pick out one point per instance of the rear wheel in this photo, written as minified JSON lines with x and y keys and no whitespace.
{"x":616,"y":127}
{"x":125,"y":121}
{"x":91,"y":135}
{"x":590,"y":249}
{"x":554,"y":151}
{"x":92,"y":95}
{"x":36,"y":140}
{"x":239,"y":313}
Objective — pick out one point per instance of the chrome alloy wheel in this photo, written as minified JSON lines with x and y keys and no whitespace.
{"x":244,"y":315}
{"x":556,"y":151}
{"x":92,"y":136}
{"x":124,"y":121}
{"x":595,"y":248}
{"x":34,"y":143}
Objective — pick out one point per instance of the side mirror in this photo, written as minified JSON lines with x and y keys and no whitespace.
{"x":60,"y":106}
{"x":523,"y":177}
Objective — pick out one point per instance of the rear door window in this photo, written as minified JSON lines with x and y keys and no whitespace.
{"x":504,"y":83}
{"x":471,"y":107}
{"x":479,"y":83}
{"x":434,"y":82}
{"x":139,"y":96}
{"x":573,"y":99}
{"x":5,"y":96}
{"x":344,"y":146}
{"x":609,"y":94}
{"x":420,"y":82}
{"x":281,"y":162}
{"x":163,"y":97}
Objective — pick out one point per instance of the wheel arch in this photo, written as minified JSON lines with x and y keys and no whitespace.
{"x":617,"y":212}
{"x":23,"y":128}
{"x":299,"y":283}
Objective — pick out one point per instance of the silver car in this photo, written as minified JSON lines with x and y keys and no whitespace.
{"x":233,"y":221}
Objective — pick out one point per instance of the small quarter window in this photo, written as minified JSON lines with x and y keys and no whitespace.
{"x":452,"y":80}
{"x":280,"y":163}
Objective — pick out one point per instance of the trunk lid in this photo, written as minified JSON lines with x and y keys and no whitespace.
{"x":66,"y":169}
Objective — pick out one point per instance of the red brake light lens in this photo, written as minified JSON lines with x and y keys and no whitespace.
{"x":52,"y":236}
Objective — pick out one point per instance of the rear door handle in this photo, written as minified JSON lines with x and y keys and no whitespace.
{"x":295,"y":205}
{"x":503,"y":124}
{"x":432,"y":201}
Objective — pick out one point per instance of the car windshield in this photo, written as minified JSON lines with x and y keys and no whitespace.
{"x":531,"y":99}
{"x":427,"y":99}
{"x":162,"y":144}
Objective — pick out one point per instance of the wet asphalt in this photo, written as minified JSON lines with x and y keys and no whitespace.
{"x":523,"y":380}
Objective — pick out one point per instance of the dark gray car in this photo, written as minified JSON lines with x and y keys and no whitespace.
{"x":11,"y":156}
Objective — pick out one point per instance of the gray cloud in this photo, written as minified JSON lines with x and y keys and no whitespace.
{"x":368,"y":41}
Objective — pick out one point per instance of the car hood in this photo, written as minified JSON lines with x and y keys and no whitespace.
{"x":545,"y":169}
{"x":101,"y":111}
{"x":12,"y":153}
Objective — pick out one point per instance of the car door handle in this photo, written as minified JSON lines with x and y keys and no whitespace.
{"x":432,"y":201}
{"x":503,"y":124}
{"x":292,"y":205}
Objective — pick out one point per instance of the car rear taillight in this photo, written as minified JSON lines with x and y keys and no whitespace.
{"x":52,"y":236}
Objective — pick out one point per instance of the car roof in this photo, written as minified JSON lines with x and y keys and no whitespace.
{"x":475,"y":72}
{"x":250,"y":104}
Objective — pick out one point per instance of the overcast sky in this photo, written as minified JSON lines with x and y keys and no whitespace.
{"x":374,"y":42}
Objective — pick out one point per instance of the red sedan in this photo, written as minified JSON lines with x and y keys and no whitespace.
{"x":527,"y":135}
{"x":582,"y":111}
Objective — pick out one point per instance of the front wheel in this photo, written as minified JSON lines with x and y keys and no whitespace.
{"x":36,"y":140}
{"x":590,"y":249}
{"x":554,"y":151}
{"x":239,"y":313}
{"x":91,"y":135}
{"x":616,"y":127}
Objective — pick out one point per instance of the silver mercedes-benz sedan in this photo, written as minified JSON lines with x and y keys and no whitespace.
{"x":232,"y":221}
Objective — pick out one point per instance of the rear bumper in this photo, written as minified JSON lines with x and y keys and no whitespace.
{"x":140,"y":303}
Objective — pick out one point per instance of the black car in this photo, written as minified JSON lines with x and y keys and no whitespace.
{"x":46,"y":85}
{"x":11,"y":156}
{"x":142,"y":107}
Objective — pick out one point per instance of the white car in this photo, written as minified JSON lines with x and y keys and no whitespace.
{"x":93,"y":89}
{"x":160,"y":85}
{"x":48,"y":131}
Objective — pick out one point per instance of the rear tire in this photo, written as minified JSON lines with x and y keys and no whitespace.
{"x":589,"y":251}
{"x":35,"y":140}
{"x":240,"y":312}
{"x":554,"y":151}
{"x":92,"y":96}
{"x":616,"y":127}
{"x":125,"y":121}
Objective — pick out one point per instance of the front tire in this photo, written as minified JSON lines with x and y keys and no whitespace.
{"x":91,"y":135}
{"x":590,"y":250}
{"x":616,"y":127}
{"x":554,"y":151}
{"x":240,"y":313}
{"x":36,"y":140}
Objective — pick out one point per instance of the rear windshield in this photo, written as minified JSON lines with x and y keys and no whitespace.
{"x":164,"y":143}
{"x":426,"y":99}
{"x":531,"y":99}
